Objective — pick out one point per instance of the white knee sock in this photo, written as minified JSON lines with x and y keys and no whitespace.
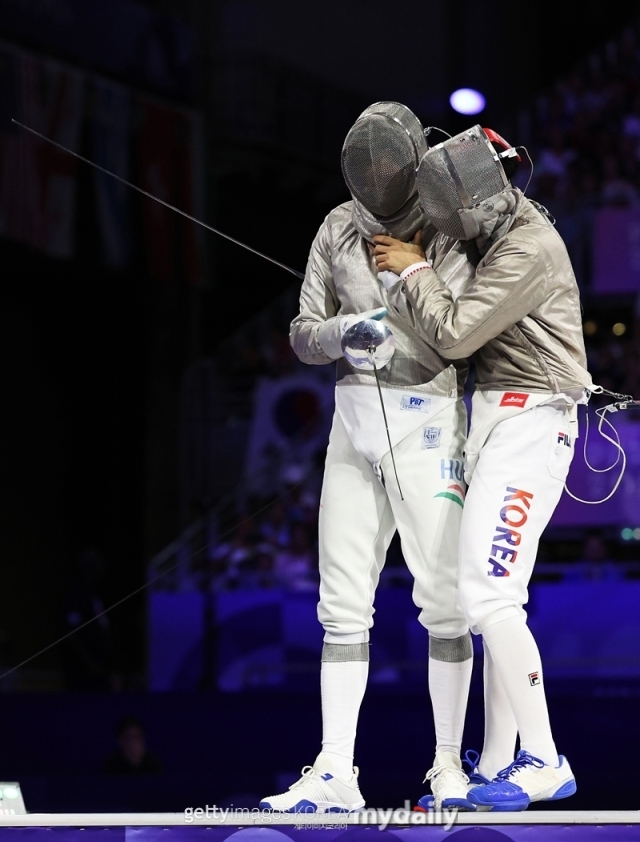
{"x":343,"y":684}
{"x":450,"y":665}
{"x":515,"y":655}
{"x":500,"y":729}
{"x":449,"y":691}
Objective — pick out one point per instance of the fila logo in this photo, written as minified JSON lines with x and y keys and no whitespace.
{"x":518,"y":399}
{"x":534,"y":678}
{"x":564,"y":438}
{"x":327,"y":776}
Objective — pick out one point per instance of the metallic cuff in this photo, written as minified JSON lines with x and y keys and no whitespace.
{"x":339,"y":652}
{"x":452,"y":651}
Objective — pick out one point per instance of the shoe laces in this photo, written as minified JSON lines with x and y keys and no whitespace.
{"x":472,"y":759}
{"x":442,"y":769}
{"x":521,"y":762}
{"x":308,"y":772}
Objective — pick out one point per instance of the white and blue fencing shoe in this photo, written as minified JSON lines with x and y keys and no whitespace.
{"x":318,"y":791}
{"x":471,"y":758}
{"x":525,"y":780}
{"x":449,"y":785}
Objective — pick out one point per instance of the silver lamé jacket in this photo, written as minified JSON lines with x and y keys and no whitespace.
{"x":341,"y":279}
{"x":520,"y":314}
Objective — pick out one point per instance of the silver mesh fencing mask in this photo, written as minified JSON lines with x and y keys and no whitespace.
{"x":456,"y":179}
{"x":380,"y":156}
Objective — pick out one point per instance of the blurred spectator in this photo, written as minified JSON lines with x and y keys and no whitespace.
{"x":631,"y":126}
{"x":616,"y":191}
{"x":87,"y":659}
{"x":630,"y":383}
{"x":261,"y":574}
{"x":131,"y":756}
{"x":554,"y":158}
{"x":300,"y":497}
{"x":275,"y":529}
{"x":233,"y":557}
{"x":573,"y":92}
{"x":295,"y":566}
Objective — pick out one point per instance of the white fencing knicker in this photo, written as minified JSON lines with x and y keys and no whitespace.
{"x":361,"y":507}
{"x":518,"y":475}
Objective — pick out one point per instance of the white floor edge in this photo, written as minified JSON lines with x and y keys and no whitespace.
{"x":239,"y":819}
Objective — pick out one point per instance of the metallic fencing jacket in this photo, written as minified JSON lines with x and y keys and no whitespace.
{"x":342,"y":279}
{"x":520,"y":314}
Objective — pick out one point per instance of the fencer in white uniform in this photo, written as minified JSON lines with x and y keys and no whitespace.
{"x":521,"y":317}
{"x":363,"y":503}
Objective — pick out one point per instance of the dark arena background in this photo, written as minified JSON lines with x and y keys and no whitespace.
{"x":162,"y":448}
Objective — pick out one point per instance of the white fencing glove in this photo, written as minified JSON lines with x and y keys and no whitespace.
{"x":331,"y":332}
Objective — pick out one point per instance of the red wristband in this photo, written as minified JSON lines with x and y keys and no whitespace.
{"x":424,"y":265}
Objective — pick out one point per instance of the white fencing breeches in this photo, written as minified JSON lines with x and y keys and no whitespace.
{"x":516,"y":486}
{"x":359,"y":514}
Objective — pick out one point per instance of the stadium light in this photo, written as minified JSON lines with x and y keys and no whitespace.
{"x":467,"y":101}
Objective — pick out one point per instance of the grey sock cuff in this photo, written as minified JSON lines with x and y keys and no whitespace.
{"x":338,"y":652}
{"x":452,"y":651}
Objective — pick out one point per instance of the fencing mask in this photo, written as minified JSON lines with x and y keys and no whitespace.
{"x":380,"y":155}
{"x":457,"y":181}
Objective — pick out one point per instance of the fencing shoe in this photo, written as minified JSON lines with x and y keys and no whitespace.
{"x":471,"y":759}
{"x":319,"y":790}
{"x":525,"y":780}
{"x":449,"y":784}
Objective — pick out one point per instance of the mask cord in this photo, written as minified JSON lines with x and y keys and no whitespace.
{"x":524,"y":148}
{"x":429,"y":129}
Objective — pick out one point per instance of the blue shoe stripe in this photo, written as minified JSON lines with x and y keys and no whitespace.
{"x":304,"y":806}
{"x":461,"y":803}
{"x":565,"y":791}
{"x":500,"y":802}
{"x":510,"y":807}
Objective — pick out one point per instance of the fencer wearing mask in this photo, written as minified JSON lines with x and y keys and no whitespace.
{"x":521,"y":317}
{"x":364,"y":500}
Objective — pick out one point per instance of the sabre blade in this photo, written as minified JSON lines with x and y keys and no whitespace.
{"x":386,"y":424}
{"x":160,"y":201}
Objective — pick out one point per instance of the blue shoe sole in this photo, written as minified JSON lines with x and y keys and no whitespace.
{"x":427,"y":803}
{"x":460,"y":803}
{"x":303,"y":806}
{"x":509,"y":807}
{"x":512,"y":806}
{"x":565,"y":791}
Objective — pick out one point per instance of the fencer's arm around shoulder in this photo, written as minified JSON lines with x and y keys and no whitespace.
{"x":317,"y":324}
{"x":508,"y":285}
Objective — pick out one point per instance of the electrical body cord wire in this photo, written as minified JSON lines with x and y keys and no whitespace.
{"x":623,"y":402}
